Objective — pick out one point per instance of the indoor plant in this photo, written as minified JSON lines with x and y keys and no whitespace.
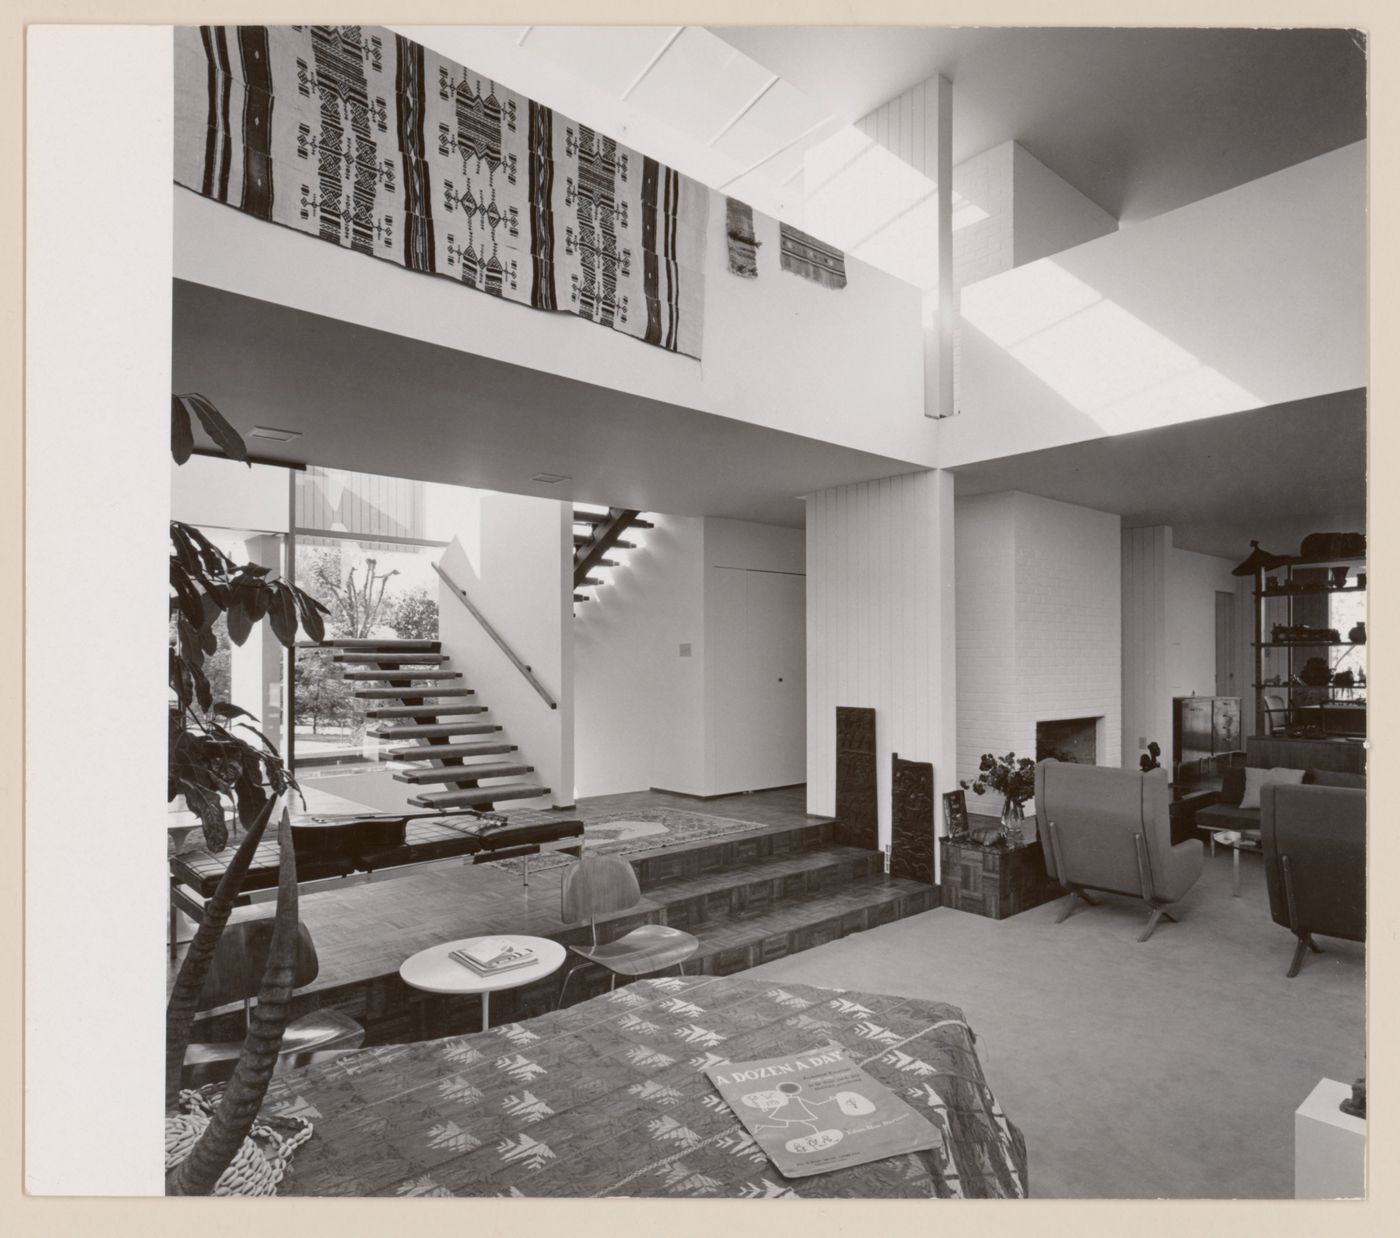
{"x":216,"y":753}
{"x":1014,"y":781}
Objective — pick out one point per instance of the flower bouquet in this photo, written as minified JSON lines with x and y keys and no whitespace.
{"x":1014,"y":781}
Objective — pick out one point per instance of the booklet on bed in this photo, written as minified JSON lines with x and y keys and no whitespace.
{"x":818,"y":1111}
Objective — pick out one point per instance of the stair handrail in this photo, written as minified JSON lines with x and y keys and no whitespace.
{"x":461,"y":595}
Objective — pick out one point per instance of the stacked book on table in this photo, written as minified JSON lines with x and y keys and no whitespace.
{"x":490,"y":956}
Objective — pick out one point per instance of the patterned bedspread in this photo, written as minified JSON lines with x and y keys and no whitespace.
{"x":609,"y":1098}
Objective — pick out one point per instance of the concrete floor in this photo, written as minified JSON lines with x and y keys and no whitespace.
{"x":1166,"y":1069}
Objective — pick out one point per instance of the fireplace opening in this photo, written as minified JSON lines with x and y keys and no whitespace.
{"x":1068,"y":739}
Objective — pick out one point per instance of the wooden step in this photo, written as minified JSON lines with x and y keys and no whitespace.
{"x":387,"y":646}
{"x":410,"y":693}
{"x":582,"y":597}
{"x":481,"y":795}
{"x":424,"y":711}
{"x":438,"y":752}
{"x":591,"y":580}
{"x":389,"y":659}
{"x":462,"y":773}
{"x":434,"y":730}
{"x":583,"y":539}
{"x":427,"y":676}
{"x":596,"y":518}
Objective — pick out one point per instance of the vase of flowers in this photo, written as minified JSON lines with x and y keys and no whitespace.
{"x":1014,"y":781}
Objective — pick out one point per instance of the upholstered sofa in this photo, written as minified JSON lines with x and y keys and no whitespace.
{"x":1314,"y":843}
{"x":1222,"y":810}
{"x":1110,"y":829}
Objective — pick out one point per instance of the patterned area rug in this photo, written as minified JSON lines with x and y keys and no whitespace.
{"x":643,"y":829}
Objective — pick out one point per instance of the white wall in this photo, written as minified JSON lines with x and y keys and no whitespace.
{"x":227,"y":495}
{"x":1147,"y":707}
{"x":639,"y":702}
{"x":779,"y":350}
{"x":1249,"y":298}
{"x":648,"y":714}
{"x":1192,"y":583}
{"x":1050,"y":213}
{"x":880,"y":618}
{"x":1039,"y":625}
{"x":518,"y":572}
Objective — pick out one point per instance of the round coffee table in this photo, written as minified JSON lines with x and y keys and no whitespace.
{"x":1237,"y":842}
{"x":434,"y":971}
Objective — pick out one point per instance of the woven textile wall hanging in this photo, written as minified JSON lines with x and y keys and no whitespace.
{"x":812,"y":259}
{"x":743,"y":249}
{"x":365,"y":139}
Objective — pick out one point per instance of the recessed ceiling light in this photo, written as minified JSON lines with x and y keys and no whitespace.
{"x":281,"y":436}
{"x":550,"y":479}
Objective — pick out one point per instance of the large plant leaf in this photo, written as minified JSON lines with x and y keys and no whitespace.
{"x":282,"y":613}
{"x":240,"y":622}
{"x":181,"y":436}
{"x":310,"y":618}
{"x":224,"y":710}
{"x":230,"y":442}
{"x":187,"y":597}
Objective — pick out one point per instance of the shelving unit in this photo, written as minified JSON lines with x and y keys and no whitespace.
{"x":1268,"y":612}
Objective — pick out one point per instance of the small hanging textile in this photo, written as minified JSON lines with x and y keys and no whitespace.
{"x":812,"y":259}
{"x":743,"y":249}
{"x":372,"y":142}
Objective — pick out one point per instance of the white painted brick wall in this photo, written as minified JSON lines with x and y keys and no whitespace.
{"x":1039,"y":618}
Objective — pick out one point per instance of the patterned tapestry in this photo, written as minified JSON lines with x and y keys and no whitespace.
{"x":365,"y":139}
{"x":743,"y":248}
{"x":804,"y":255}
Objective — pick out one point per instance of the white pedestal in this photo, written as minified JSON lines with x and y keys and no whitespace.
{"x":1329,"y":1146}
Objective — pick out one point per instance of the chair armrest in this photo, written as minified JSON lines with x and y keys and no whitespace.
{"x":1182,"y":866}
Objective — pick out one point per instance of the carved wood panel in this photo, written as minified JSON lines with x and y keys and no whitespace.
{"x":857,"y":809}
{"x":912,"y":820}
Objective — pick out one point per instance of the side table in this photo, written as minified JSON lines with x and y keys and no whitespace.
{"x":434,"y":970}
{"x":996,"y":882}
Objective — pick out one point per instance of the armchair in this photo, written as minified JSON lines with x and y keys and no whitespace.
{"x":1314,"y":840}
{"x":1110,"y":829}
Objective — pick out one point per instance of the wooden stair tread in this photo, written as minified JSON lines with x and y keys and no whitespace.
{"x":424,"y":711}
{"x":381,"y":673}
{"x":596,"y":518}
{"x":583,"y":539}
{"x":481,"y":795}
{"x":359,"y":645}
{"x":437,"y":752}
{"x":591,"y":580}
{"x":462,"y":773}
{"x":431,"y":730}
{"x":410,"y":693}
{"x":582,"y":597}
{"x":388,"y":658}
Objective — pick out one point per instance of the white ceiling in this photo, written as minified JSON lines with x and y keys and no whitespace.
{"x":1272,"y":474}
{"x":372,"y":402}
{"x":1139,"y":120}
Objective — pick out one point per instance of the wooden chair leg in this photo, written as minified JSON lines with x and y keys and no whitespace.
{"x":1075,"y":894}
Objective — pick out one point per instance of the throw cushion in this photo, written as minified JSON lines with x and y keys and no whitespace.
{"x":1335,"y":778}
{"x":1255,"y":779}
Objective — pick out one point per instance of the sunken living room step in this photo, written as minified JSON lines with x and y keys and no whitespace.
{"x":458,"y":773}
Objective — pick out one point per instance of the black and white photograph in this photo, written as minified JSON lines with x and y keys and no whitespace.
{"x":710,"y":612}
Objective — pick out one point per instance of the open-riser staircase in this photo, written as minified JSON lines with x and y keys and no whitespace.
{"x":595,"y":535}
{"x":449,"y":746}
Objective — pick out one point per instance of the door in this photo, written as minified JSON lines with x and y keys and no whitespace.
{"x":760,"y":717}
{"x":1226,"y":645}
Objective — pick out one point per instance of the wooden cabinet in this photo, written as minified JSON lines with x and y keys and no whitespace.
{"x":995,"y":882}
{"x":1203,"y":727}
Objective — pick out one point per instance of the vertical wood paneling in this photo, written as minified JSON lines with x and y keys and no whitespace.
{"x":875,"y":623}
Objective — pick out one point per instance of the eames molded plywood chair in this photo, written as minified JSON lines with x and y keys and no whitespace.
{"x":236,"y":975}
{"x":601,"y":885}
